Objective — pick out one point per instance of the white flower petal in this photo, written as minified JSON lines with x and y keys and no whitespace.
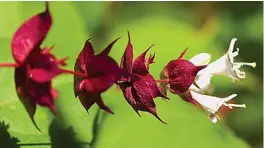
{"x":201,"y":59}
{"x":212,"y":104}
{"x":202,"y":84}
{"x":226,"y":65}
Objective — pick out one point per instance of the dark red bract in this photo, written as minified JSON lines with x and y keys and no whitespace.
{"x":102,"y":72}
{"x":139,"y":87}
{"x":180,"y":76}
{"x":30,"y":35}
{"x":35,"y":67}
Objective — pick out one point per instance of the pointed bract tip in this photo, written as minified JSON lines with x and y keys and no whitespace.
{"x":137,"y":112}
{"x":109,"y":47}
{"x":152,"y":56}
{"x":111,"y":112}
{"x":145,"y":52}
{"x":87,"y":42}
{"x":150,"y":46}
{"x":47,"y":5}
{"x":198,"y":68}
{"x":117,"y":39}
{"x":164,"y":97}
{"x":35,"y":124}
{"x":129,"y":39}
{"x":182,"y":54}
{"x":156,"y":115}
{"x":108,"y":110}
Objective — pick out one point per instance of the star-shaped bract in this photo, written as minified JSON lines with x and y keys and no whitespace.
{"x":102,"y":72}
{"x":138,"y":86}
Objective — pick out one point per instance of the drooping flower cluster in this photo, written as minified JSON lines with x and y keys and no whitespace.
{"x":201,"y":87}
{"x":35,"y":68}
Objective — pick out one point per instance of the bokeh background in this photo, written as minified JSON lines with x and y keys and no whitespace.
{"x":172,"y":27}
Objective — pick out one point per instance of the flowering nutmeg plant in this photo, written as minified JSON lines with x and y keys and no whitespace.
{"x":202,"y":89}
{"x":35,"y":67}
{"x":180,"y":75}
{"x":138,"y":86}
{"x":101,"y":73}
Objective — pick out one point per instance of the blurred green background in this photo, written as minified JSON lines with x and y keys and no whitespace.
{"x":172,"y":27}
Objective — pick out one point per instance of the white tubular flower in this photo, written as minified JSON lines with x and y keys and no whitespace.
{"x":212,"y":104}
{"x":202,"y":83}
{"x":226,"y":65}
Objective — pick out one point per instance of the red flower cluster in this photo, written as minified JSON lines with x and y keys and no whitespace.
{"x":35,"y":67}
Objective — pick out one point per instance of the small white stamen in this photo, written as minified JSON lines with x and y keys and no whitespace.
{"x":235,"y":105}
{"x":253,"y":64}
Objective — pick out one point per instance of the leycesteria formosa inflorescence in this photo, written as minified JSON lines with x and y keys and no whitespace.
{"x":36,"y":67}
